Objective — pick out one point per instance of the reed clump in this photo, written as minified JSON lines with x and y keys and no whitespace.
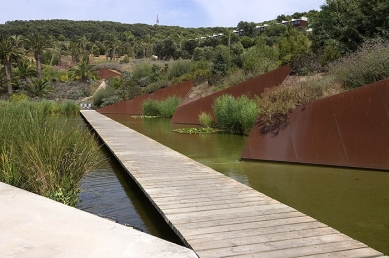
{"x":45,"y":154}
{"x":161,"y":108}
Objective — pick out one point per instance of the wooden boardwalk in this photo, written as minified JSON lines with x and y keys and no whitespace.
{"x":213,"y":214}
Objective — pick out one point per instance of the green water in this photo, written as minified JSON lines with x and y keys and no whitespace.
{"x":353,"y":201}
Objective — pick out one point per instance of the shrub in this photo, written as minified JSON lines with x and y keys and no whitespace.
{"x":16,"y":97}
{"x":367,"y":65}
{"x":235,"y":115}
{"x":206,"y":120}
{"x":178,"y":68}
{"x":111,"y":100}
{"x":68,"y":107}
{"x":150,"y":108}
{"x":162,"y":108}
{"x":152,"y":87}
{"x":276,"y":103}
{"x":141,"y":70}
{"x":168,"y":106}
{"x":100,"y":95}
{"x":259,"y":59}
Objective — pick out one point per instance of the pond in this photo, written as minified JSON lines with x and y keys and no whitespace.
{"x":353,"y":201}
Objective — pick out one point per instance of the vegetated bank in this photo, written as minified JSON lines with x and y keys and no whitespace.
{"x":43,"y":151}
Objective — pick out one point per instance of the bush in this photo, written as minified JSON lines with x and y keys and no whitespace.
{"x":206,"y":120}
{"x":150,"y":108}
{"x":100,"y":95}
{"x":111,"y":100}
{"x":276,"y":103}
{"x":162,"y":108}
{"x":235,"y":115}
{"x":68,"y":107}
{"x":259,"y":59}
{"x":152,"y":87}
{"x":16,"y":97}
{"x":367,"y":65}
{"x":168,"y":106}
{"x":178,"y":68}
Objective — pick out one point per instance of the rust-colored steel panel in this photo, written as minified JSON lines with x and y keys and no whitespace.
{"x":189,"y":113}
{"x":348,"y":129}
{"x":134,"y":106}
{"x":107,"y":73}
{"x":363,"y":126}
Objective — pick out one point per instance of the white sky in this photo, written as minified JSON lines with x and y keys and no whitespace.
{"x":184,"y":13}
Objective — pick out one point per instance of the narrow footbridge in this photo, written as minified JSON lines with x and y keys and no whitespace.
{"x":213,"y":214}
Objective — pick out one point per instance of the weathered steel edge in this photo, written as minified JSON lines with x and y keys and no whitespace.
{"x":136,"y":181}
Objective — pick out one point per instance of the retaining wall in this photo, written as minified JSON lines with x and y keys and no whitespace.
{"x":189,"y":113}
{"x":348,"y":129}
{"x":134,"y":106}
{"x":107,"y":73}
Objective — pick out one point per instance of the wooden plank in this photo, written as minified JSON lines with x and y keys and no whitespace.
{"x":214,"y":214}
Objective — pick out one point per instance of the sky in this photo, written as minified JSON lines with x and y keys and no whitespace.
{"x":183,"y":13}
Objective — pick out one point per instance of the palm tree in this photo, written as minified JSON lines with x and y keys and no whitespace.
{"x":84,"y":70}
{"x":8,"y":54}
{"x":39,"y":87}
{"x":25,"y":71}
{"x":57,"y":47}
{"x":83,"y":44}
{"x":37,"y":43}
{"x":17,"y":40}
{"x":74,"y":50}
{"x":229,"y":35}
{"x":180,"y":39}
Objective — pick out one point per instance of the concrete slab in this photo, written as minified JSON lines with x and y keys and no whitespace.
{"x":33,"y":226}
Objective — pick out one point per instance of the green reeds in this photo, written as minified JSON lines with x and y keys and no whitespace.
{"x":47,"y":155}
{"x":161,"y":108}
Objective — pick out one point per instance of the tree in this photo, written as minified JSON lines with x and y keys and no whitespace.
{"x":349,"y":23}
{"x":228,"y":33}
{"x":36,"y":44}
{"x":84,"y":70}
{"x":25,"y":71}
{"x":39,"y":87}
{"x":8,"y":54}
{"x":247,"y":27}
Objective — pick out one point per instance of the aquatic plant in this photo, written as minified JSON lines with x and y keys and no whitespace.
{"x":44,"y":154}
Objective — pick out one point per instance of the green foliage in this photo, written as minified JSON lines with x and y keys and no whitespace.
{"x":235,"y":115}
{"x":101,"y":95}
{"x":39,"y":88}
{"x":349,"y":23}
{"x":16,"y":97}
{"x":168,"y":106}
{"x":247,"y":42}
{"x":111,"y":100}
{"x":161,"y":108}
{"x":367,"y":65}
{"x":178,"y":68}
{"x":206,"y":120}
{"x":84,"y":71}
{"x":199,"y":130}
{"x":203,"y":53}
{"x":292,"y":45}
{"x":68,"y":107}
{"x":150,"y":108}
{"x":222,"y":61}
{"x":141,"y":70}
{"x":42,"y":154}
{"x":154,"y":86}
{"x":259,"y":59}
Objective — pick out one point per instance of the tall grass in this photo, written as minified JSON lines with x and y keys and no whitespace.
{"x":162,"y":108}
{"x":235,"y":115}
{"x":47,"y":155}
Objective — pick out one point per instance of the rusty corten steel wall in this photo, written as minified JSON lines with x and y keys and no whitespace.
{"x":134,"y":106}
{"x":349,"y":129}
{"x":189,"y":113}
{"x":107,"y":73}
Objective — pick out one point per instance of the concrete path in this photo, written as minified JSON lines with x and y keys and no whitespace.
{"x":32,"y":226}
{"x":213,"y":214}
